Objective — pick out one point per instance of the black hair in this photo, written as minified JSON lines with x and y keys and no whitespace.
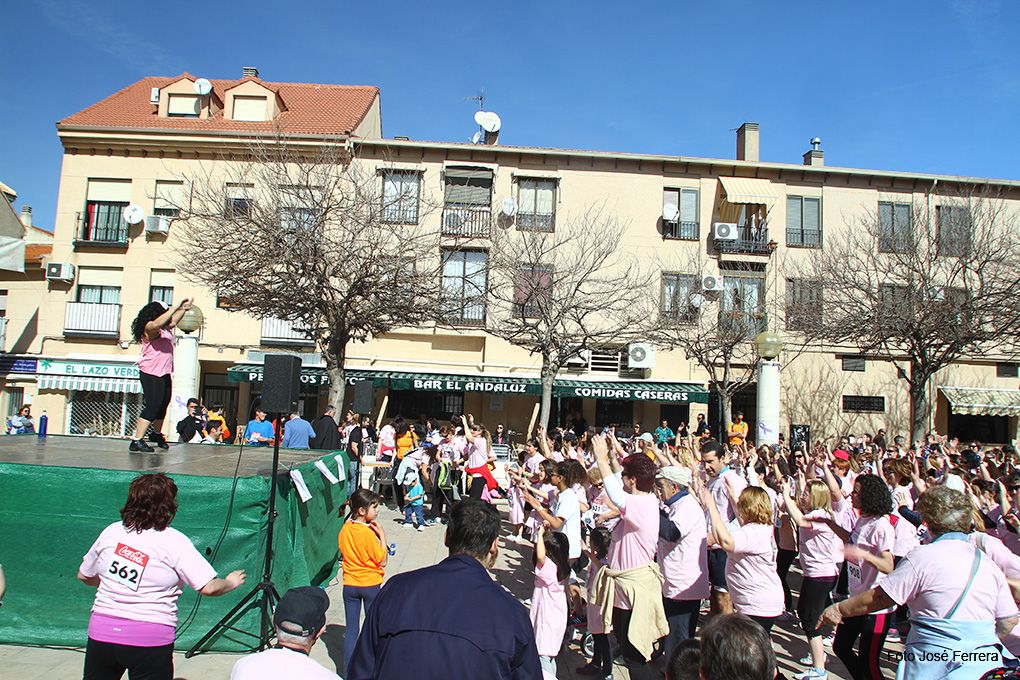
{"x":711,"y":446}
{"x":736,"y":647}
{"x":557,"y":549}
{"x":598,"y":539}
{"x":149,"y":312}
{"x":401,"y":426}
{"x":547,"y":467}
{"x":684,"y":661}
{"x":873,"y":495}
{"x":473,"y":527}
{"x":576,"y":474}
{"x":362,"y":498}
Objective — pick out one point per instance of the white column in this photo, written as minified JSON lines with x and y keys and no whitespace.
{"x":185,"y":382}
{"x":768,"y":403}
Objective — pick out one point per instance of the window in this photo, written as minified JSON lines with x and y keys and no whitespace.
{"x":400,"y":195}
{"x":15,"y":400}
{"x":532,"y":290}
{"x":1006,"y":371}
{"x":464,"y":286}
{"x":240,"y":203}
{"x":164,"y":294}
{"x":803,"y":222}
{"x":295,"y":220}
{"x":855,"y":403}
{"x":686,"y":225}
{"x":895,"y":234}
{"x":102,"y":414}
{"x":677,"y":293}
{"x":184,"y":106}
{"x":895,"y":302}
{"x":537,"y":204}
{"x":104,"y":295}
{"x":250,"y":108}
{"x":803,"y":304}
{"x":742,"y":305}
{"x":442,"y":405}
{"x":3,"y":303}
{"x":954,"y":236}
{"x":854,"y":363}
{"x":104,"y":222}
{"x":169,"y":198}
{"x":613,"y":412}
{"x":468,"y":202}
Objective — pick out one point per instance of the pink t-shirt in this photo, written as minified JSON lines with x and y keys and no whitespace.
{"x":751,"y":571}
{"x":140,"y":574}
{"x":994,"y":548}
{"x":821,"y":550}
{"x":721,"y":496}
{"x":923,"y":582}
{"x":876,"y":535}
{"x":684,"y":564}
{"x":533,"y":463}
{"x":548,"y":610}
{"x":157,"y":356}
{"x":478,"y":453}
{"x":906,"y":536}
{"x":635,"y":538}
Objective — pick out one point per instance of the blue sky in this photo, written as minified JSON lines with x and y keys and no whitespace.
{"x":916,"y":86}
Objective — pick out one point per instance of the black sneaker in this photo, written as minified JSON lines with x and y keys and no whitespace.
{"x":158,"y":439}
{"x":139,"y":446}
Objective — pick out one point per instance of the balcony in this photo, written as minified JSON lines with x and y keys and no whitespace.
{"x":461,"y":219}
{"x":804,"y":238}
{"x":528,"y":221}
{"x":742,"y":324}
{"x":750,"y":241}
{"x":285,"y":333}
{"x":684,"y":231}
{"x":3,"y":334}
{"x":101,"y":226}
{"x":92,"y":319}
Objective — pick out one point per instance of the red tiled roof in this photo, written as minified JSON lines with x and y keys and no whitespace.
{"x":310,"y":108}
{"x":35,"y":252}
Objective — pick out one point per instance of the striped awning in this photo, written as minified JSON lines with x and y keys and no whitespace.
{"x":983,"y":401}
{"x":748,"y":190}
{"x":86,"y":384}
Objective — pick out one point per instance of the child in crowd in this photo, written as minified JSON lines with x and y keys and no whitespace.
{"x":542,"y":488}
{"x":549,"y":599}
{"x":602,"y":661}
{"x":414,"y":500}
{"x":515,"y":497}
{"x":363,"y":549}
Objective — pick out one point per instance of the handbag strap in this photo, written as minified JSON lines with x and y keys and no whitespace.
{"x":970,"y":581}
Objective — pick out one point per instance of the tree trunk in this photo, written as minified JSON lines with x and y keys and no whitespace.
{"x":335,"y":354}
{"x":548,"y":376}
{"x":920,"y":405}
{"x":724,"y":412}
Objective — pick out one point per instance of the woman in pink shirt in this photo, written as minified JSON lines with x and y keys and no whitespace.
{"x":152,"y":328}
{"x":138,"y":566}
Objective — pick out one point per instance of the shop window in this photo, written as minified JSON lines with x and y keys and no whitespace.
{"x":410,"y":405}
{"x":613,"y":413}
{"x":855,"y":403}
{"x":1006,"y":371}
{"x":15,"y":398}
{"x":103,"y":414}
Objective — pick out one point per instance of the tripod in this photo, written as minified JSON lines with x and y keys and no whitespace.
{"x":264,"y":593}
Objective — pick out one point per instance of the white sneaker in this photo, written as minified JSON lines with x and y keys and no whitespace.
{"x":893,"y":636}
{"x":807,"y":660}
{"x":421,"y":527}
{"x":827,"y":640}
{"x":815,"y":674}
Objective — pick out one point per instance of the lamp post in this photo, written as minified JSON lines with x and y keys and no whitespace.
{"x":185,"y":379}
{"x":769,"y":346}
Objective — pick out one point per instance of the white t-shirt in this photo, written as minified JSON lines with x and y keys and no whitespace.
{"x":140,"y":574}
{"x":279,"y":663}
{"x":568,"y":509}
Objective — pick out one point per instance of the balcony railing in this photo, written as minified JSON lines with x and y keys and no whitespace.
{"x":685,"y":231}
{"x":804,"y":238}
{"x":741,"y":323}
{"x":283,"y":332}
{"x":104,"y":227}
{"x":461,"y":219}
{"x":536,"y":221}
{"x":895,"y":243}
{"x":400,"y":214}
{"x":750,"y":240}
{"x":464,"y":312}
{"x":92,"y":319}
{"x":3,"y":334}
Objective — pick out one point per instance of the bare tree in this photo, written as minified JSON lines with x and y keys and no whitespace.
{"x":558,"y":290}
{"x":928,"y":282}
{"x":311,"y":235}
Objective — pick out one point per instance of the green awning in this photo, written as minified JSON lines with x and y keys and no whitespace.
{"x":983,"y":401}
{"x":310,"y":375}
{"x":632,"y":391}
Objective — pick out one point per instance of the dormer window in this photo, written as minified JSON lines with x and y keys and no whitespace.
{"x":250,"y":108}
{"x":184,"y":106}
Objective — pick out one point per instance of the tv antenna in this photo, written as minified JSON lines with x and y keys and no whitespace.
{"x":480,"y":98}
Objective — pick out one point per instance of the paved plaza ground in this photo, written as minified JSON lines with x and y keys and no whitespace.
{"x":414,"y":550}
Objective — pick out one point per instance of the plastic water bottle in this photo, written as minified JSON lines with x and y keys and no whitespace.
{"x":392,"y":550}
{"x":43,"y":423}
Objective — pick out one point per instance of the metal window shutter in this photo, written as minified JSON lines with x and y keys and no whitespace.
{"x":169,"y":194}
{"x":163,"y":278}
{"x":793,"y":217}
{"x":184,"y":105}
{"x":689,"y":206}
{"x":812,"y":218}
{"x":95,"y":276}
{"x":467,"y":185}
{"x":112,"y":190}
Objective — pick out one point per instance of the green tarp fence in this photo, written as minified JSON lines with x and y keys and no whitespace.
{"x":50,"y":516}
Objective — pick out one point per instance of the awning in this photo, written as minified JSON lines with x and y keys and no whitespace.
{"x":310,"y":375}
{"x":748,"y":190}
{"x":983,"y":401}
{"x":632,"y":391}
{"x":85,"y":384}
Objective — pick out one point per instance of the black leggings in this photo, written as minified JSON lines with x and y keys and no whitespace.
{"x":784,"y":560}
{"x":108,"y":661}
{"x":871,"y":629}
{"x":602,"y":659}
{"x":635,"y":661}
{"x":902,"y":619}
{"x":477,"y":486}
{"x":156,"y":394}
{"x":814,"y":598}
{"x":765,"y":622}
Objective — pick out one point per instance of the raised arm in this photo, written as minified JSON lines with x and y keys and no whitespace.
{"x":168,"y":318}
{"x":612,"y":485}
{"x":719,"y":529}
{"x":791,"y":507}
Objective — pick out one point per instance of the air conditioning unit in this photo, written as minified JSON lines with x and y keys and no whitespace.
{"x":641,"y":355}
{"x":579,"y":360}
{"x":157,"y":224}
{"x":60,"y":271}
{"x":711,"y":282}
{"x":724,"y":231}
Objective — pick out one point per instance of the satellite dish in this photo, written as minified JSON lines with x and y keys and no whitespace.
{"x":698,"y":300}
{"x":203,"y":86}
{"x":488,"y":121}
{"x":509,"y":207}
{"x":476,"y":138}
{"x":670,"y":212}
{"x":133,"y":214}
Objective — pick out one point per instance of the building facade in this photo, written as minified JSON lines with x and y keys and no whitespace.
{"x":68,"y":348}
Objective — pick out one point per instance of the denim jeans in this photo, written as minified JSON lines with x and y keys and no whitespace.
{"x":416,"y":510}
{"x":354,"y":596}
{"x":354,"y":473}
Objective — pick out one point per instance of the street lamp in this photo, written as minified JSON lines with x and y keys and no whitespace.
{"x":769,"y":346}
{"x":185,"y":379}
{"x":192,"y":319}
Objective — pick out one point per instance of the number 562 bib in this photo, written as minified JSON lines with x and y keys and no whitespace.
{"x":127,"y":567}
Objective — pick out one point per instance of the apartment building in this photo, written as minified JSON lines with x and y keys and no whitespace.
{"x":68,"y":346}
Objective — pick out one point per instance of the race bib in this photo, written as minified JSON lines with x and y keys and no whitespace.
{"x":127,"y":566}
{"x":853,"y":571}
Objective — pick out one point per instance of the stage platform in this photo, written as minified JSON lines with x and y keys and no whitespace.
{"x":58,"y":493}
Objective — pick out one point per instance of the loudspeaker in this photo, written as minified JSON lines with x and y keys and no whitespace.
{"x":281,"y":383}
{"x":800,"y":434}
{"x":364,"y":396}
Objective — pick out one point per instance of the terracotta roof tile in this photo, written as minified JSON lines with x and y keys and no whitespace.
{"x":310,"y":108}
{"x":34,"y":253}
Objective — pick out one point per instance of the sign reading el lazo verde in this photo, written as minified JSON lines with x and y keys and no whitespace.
{"x":87,"y":369}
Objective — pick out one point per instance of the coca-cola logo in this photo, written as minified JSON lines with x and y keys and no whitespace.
{"x":129,"y":553}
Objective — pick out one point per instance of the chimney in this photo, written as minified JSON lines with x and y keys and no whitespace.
{"x":249,"y":71}
{"x":815,"y":156}
{"x":26,"y":215}
{"x":492,"y":138}
{"x":747,"y":142}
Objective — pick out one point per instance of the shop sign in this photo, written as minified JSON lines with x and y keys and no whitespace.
{"x":307,"y":378}
{"x":467,"y":385}
{"x":16,"y":365}
{"x":87,"y":369}
{"x":626,"y":394}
